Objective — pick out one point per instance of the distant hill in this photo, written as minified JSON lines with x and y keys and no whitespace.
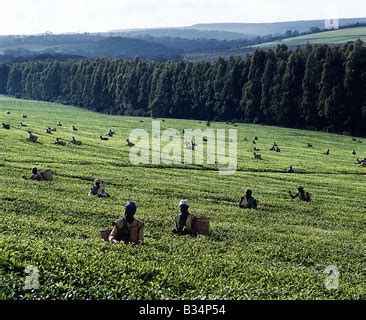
{"x":198,"y":42}
{"x":329,"y":37}
{"x":126,"y":47}
{"x":186,"y":33}
{"x":89,"y":46}
{"x":260,"y":29}
{"x":232,"y":31}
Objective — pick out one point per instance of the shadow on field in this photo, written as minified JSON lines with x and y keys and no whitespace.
{"x":9,"y":199}
{"x":204,"y":168}
{"x":182,"y":167}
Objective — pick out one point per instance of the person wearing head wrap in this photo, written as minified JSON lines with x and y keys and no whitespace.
{"x":248,"y":201}
{"x":36,"y":175}
{"x":301,"y":194}
{"x":98,"y":189}
{"x":184,"y":223}
{"x":128,"y":229}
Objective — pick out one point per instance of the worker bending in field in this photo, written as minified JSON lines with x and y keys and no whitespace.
{"x":129,"y":143}
{"x":98,"y":189}
{"x":290,"y":170}
{"x":36,"y":175}
{"x":362,"y":162}
{"x":40,"y":176}
{"x":60,"y":142}
{"x":301,"y":194}
{"x":128,"y":229}
{"x":248,"y":201}
{"x":76,"y":142}
{"x":184,"y":223}
{"x":32,"y":137}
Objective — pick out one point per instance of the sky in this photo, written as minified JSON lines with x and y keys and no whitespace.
{"x":60,"y":16}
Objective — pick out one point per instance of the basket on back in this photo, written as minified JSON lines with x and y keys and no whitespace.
{"x":308,"y":196}
{"x":105,"y":234}
{"x":202,"y":225}
{"x":47,"y":175}
{"x":32,"y":138}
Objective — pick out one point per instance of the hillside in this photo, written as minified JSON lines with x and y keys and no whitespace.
{"x":122,"y":45}
{"x":87,"y":46}
{"x":279,"y":251}
{"x":185,"y":33}
{"x":233,"y":31}
{"x":199,"y":42}
{"x":330,"y":37}
{"x":261,"y":29}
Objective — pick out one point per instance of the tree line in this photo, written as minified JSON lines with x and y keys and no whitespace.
{"x":317,"y":87}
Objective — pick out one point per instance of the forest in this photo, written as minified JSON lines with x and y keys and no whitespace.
{"x":318,"y":87}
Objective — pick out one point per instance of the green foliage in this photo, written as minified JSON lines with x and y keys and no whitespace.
{"x":279,"y":251}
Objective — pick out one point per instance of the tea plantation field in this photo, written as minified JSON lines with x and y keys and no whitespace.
{"x":334,"y":37}
{"x":279,"y":251}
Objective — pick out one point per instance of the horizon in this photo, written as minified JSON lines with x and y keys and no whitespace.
{"x":20,"y":17}
{"x":174,"y":27}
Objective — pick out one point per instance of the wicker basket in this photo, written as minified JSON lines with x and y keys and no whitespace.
{"x":47,"y":175}
{"x":105,"y":234}
{"x":308,"y":196}
{"x":202,"y":225}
